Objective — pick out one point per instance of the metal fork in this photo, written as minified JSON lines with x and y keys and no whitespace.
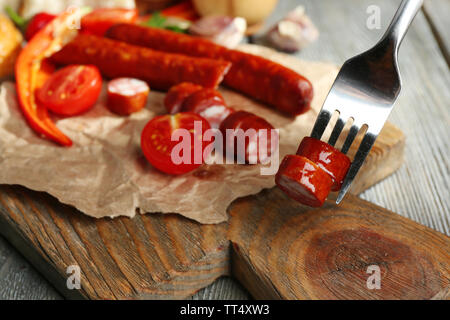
{"x":365,"y":90}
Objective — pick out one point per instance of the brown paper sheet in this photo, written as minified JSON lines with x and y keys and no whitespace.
{"x":104,"y":173}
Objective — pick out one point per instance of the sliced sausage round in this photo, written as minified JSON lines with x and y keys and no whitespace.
{"x":216,"y":114}
{"x":176,"y":96}
{"x":127,"y":95}
{"x":303,"y":180}
{"x":258,"y":138}
{"x":202,"y":99}
{"x":210,"y":104}
{"x":330,"y":159}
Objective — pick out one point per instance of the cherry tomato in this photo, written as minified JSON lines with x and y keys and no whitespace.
{"x":38,"y":22}
{"x":100,"y":20}
{"x":71,"y":90}
{"x":167,"y":155}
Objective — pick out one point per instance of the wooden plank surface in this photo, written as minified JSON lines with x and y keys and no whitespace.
{"x":284,"y":250}
{"x":149,"y":257}
{"x":418,"y":190}
{"x":436,"y":12}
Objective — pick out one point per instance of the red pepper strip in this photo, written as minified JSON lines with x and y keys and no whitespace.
{"x":191,"y":16}
{"x":32,"y":69}
{"x":184,"y":10}
{"x":184,"y":6}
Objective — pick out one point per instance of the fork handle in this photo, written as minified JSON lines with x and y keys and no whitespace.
{"x":401,"y":22}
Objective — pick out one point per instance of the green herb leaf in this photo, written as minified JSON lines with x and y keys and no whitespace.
{"x":156,"y":20}
{"x":14,"y":16}
{"x":176,"y":29}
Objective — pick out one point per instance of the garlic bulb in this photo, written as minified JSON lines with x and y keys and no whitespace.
{"x":223,"y":30}
{"x":294,"y":32}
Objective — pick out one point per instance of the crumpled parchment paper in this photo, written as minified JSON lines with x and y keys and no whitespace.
{"x":105,"y":174}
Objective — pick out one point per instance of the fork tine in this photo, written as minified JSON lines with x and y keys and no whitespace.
{"x":336,"y":131}
{"x":321,"y":123}
{"x":354,"y":129}
{"x":361,"y":154}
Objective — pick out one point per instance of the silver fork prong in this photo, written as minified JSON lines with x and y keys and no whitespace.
{"x":361,"y":154}
{"x":339,"y":126}
{"x":321,"y":123}
{"x":354,"y":129}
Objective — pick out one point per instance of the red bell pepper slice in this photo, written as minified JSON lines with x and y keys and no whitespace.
{"x":183,"y":10}
{"x":32,"y":69}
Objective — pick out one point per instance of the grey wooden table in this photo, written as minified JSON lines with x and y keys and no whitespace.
{"x":419,"y":190}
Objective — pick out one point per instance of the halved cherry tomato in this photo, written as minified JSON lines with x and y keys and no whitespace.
{"x":100,"y":20}
{"x":71,"y":90}
{"x":168,"y":156}
{"x":38,"y":22}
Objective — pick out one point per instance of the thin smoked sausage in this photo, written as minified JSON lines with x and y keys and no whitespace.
{"x":160,"y":70}
{"x":257,"y":77}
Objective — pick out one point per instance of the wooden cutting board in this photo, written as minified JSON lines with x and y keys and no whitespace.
{"x":279,"y":249}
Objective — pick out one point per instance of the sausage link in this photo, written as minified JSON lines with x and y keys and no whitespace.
{"x":252,"y":75}
{"x":161,"y":70}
